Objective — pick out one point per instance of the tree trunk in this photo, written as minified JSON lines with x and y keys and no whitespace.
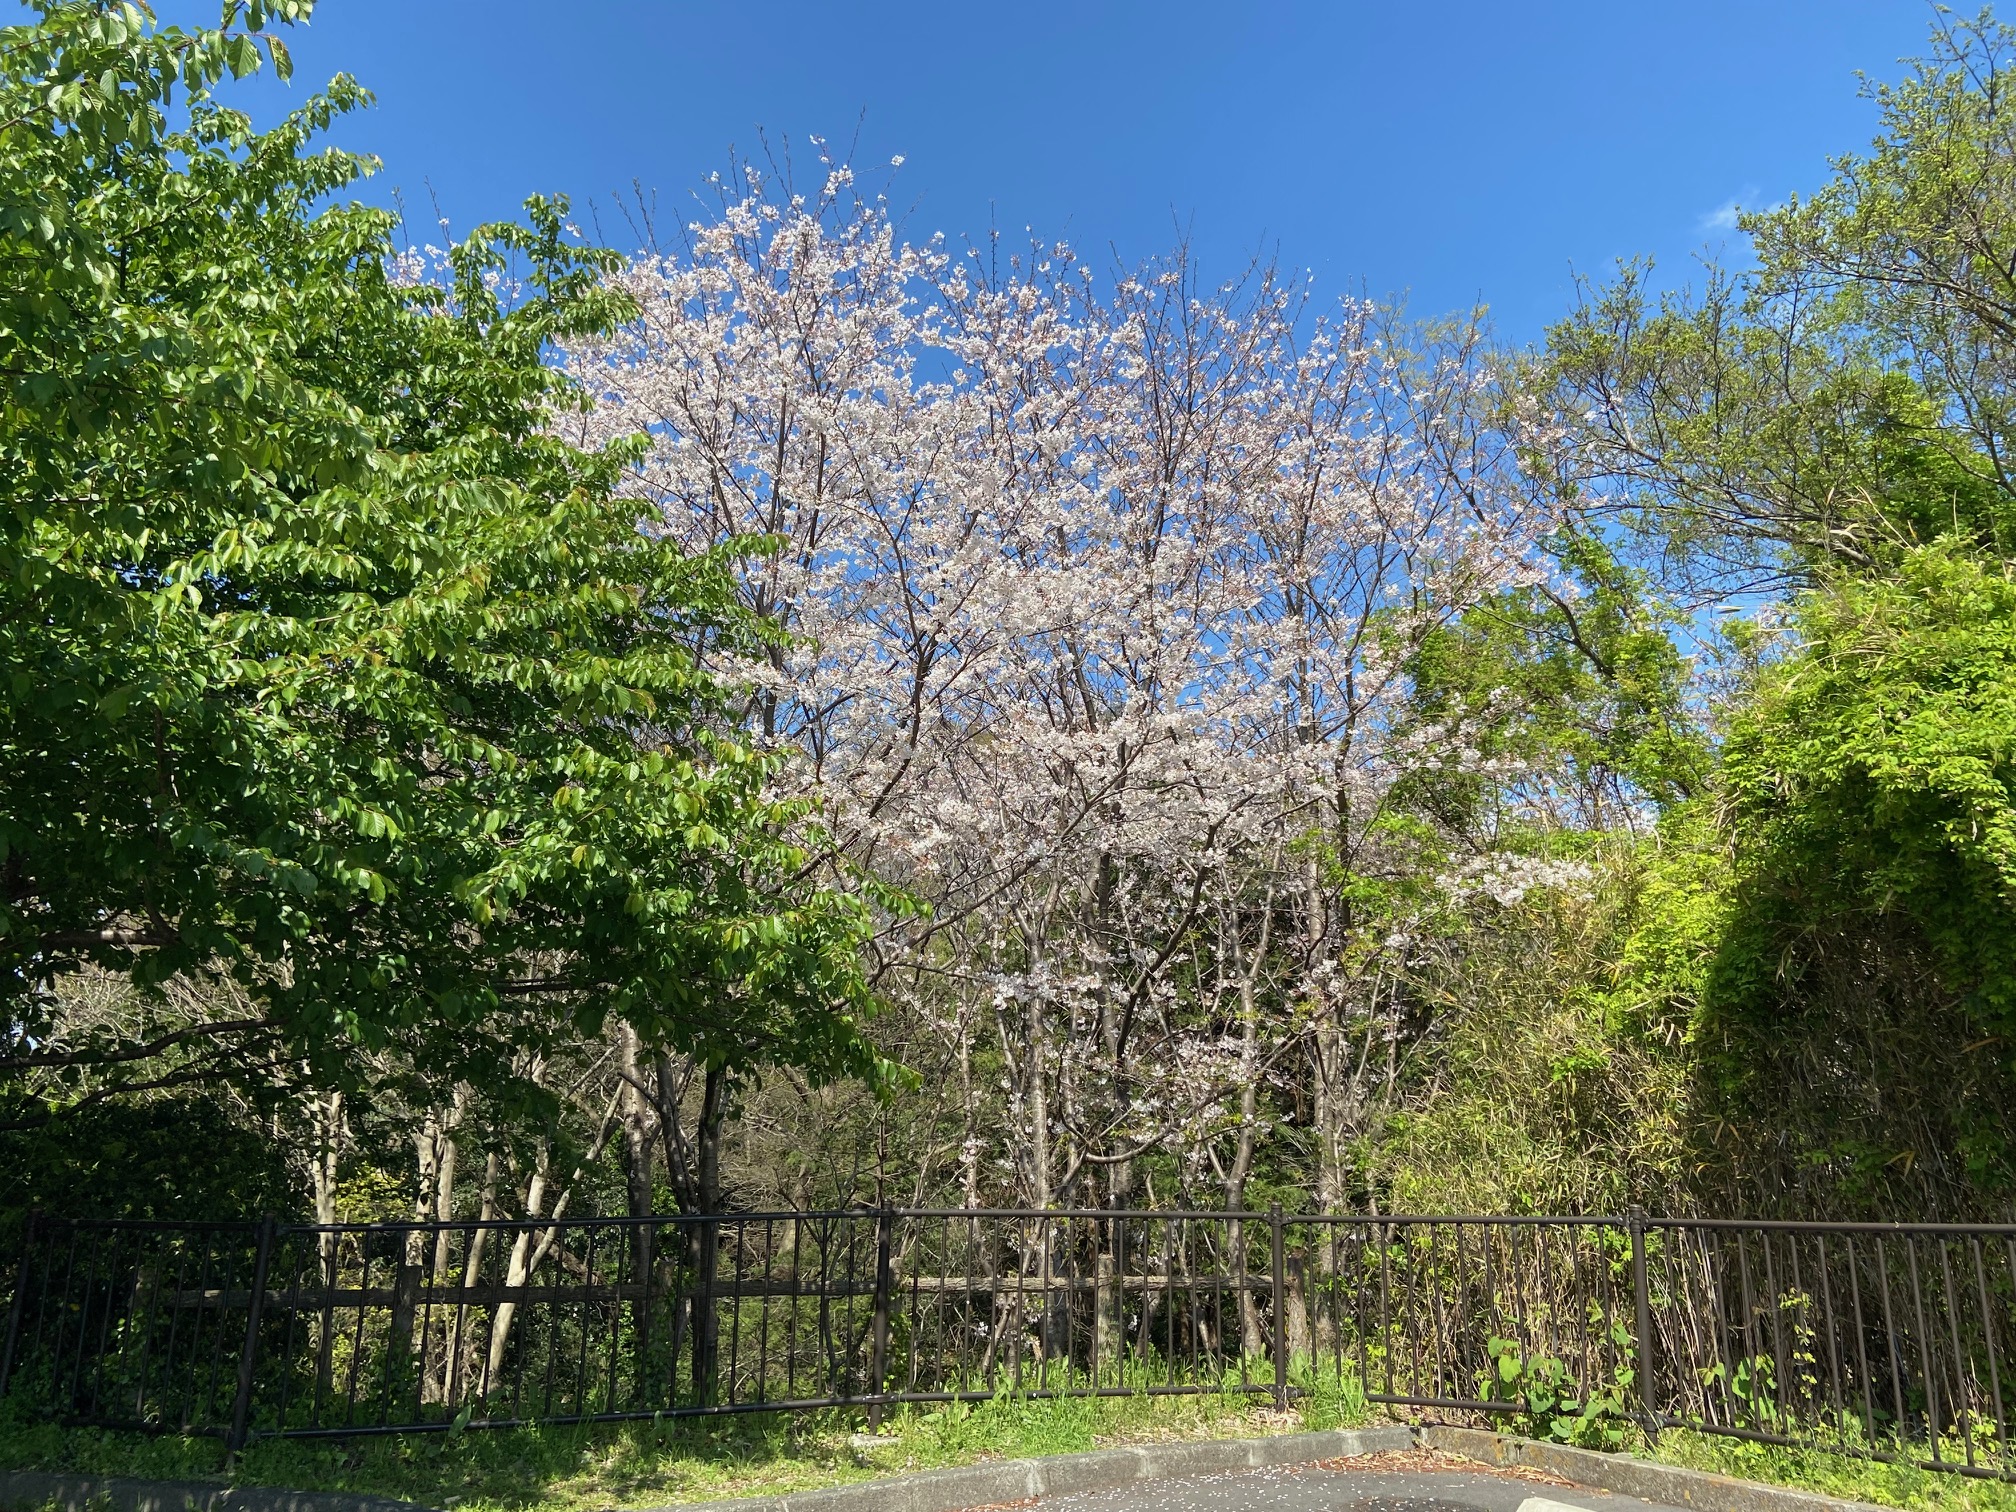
{"x":323,"y":1176}
{"x":637,"y":1120}
{"x":413,"y":1257}
{"x":472,"y":1271}
{"x":434,"y":1364}
{"x":517,"y":1267}
{"x":1250,"y":965}
{"x":704,"y":1237}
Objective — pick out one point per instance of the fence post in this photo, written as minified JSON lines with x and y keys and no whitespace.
{"x":1642,"y":1295}
{"x":1278,"y":1264}
{"x":878,"y":1358}
{"x":241,"y":1404}
{"x":20,"y":1302}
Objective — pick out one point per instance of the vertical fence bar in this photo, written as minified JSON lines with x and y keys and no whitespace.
{"x":1988,"y":1338}
{"x":248,"y":1357}
{"x":878,"y":1349}
{"x":1641,"y":1296}
{"x":1927,"y":1345}
{"x":1828,"y":1320}
{"x":20,"y":1301}
{"x":1278,"y":1325}
{"x":706,"y":1322}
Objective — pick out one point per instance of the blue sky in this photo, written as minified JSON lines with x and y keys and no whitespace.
{"x":1460,"y":151}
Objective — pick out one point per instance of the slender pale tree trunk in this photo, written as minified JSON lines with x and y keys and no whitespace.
{"x":1250,"y":961}
{"x":472,"y":1272}
{"x":435,"y":1367}
{"x":535,"y":1241}
{"x":519,"y":1265}
{"x":323,"y":1173}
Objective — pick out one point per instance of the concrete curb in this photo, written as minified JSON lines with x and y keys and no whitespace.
{"x":31,"y":1490}
{"x":1634,"y":1477}
{"x":1017,"y":1480}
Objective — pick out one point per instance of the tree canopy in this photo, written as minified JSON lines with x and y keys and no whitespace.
{"x":327,"y":668}
{"x":1237,"y":748}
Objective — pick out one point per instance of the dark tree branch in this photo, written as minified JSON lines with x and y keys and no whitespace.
{"x":43,"y":1060}
{"x":157,"y":936}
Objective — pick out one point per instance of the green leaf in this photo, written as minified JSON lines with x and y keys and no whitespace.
{"x":324,"y":654}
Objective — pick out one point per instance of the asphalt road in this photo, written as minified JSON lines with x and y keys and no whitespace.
{"x":1308,"y":1489}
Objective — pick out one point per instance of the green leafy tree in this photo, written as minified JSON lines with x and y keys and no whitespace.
{"x":1876,"y":772}
{"x":1854,"y":395}
{"x":1580,"y":683}
{"x":325,"y":664}
{"x":1825,"y":931}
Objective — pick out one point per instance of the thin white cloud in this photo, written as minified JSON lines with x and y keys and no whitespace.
{"x":1723,"y":217}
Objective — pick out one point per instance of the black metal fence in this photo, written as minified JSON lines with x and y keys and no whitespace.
{"x":1881,"y":1340}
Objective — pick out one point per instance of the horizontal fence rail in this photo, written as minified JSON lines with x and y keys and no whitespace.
{"x":1887,"y":1341}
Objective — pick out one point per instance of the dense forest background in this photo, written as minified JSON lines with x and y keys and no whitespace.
{"x":1098,"y":737}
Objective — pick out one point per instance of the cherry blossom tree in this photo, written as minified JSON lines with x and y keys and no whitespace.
{"x":1100,"y":593}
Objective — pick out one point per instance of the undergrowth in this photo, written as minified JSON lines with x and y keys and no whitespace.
{"x":1832,"y":1474}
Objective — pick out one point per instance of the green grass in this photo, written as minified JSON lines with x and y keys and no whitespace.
{"x":1833,"y":1474}
{"x":585,"y":1469}
{"x":605,"y":1466}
